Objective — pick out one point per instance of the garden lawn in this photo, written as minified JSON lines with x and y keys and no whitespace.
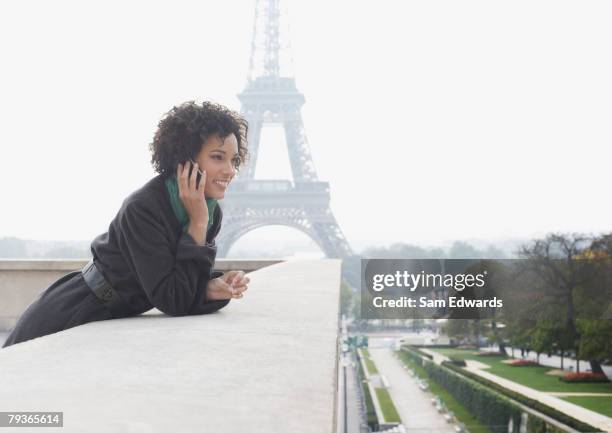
{"x":532,"y":376}
{"x":370,"y":411}
{"x":387,"y":406}
{"x":369,"y":363}
{"x":602,"y":405}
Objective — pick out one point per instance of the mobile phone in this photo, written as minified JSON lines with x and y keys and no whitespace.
{"x":198,"y":177}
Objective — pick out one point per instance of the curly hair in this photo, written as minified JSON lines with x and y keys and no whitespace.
{"x":182,"y":131}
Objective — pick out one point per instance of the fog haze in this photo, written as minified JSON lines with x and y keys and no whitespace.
{"x":432,"y":121}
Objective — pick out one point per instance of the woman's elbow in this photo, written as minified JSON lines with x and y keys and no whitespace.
{"x":172,"y":305}
{"x":172,"y":310}
{"x":208,"y":307}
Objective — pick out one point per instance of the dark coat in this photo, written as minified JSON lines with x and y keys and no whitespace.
{"x":147,"y":259}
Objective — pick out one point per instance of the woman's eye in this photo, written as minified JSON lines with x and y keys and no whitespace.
{"x":218,"y":157}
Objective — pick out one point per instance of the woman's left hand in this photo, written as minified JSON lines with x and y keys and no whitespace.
{"x":238,"y":281}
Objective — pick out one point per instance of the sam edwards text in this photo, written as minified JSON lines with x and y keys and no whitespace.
{"x":425,"y":302}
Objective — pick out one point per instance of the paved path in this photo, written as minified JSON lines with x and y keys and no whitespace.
{"x":437,"y":357}
{"x":413,"y":405}
{"x":588,"y":416}
{"x":476,"y":364}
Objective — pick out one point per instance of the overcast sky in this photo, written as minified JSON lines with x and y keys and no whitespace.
{"x":432,"y":120}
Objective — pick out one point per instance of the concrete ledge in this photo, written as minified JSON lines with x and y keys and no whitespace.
{"x":22,"y":280}
{"x":68,"y":265}
{"x":266,"y":363}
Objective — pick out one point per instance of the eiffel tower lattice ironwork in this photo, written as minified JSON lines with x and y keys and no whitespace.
{"x":270,"y":98}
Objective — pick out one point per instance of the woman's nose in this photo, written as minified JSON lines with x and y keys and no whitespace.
{"x":230,"y":170}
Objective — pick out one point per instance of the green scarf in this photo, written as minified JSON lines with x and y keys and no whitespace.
{"x":179,"y":209}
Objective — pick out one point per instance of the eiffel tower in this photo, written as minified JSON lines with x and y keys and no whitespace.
{"x":270,"y":98}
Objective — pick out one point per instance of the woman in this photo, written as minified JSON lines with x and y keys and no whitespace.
{"x":160,"y":248}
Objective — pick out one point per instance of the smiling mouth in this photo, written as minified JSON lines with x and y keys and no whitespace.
{"x":222,"y":183}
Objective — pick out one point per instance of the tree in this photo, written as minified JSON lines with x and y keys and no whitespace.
{"x":497,"y":281}
{"x":67,"y":252}
{"x":562,"y":263}
{"x":463,"y":250}
{"x":346,"y":298}
{"x":543,"y":337}
{"x":12,"y":248}
{"x":595,"y":341}
{"x":403,"y":251}
{"x":601,"y":250}
{"x":458,"y":329}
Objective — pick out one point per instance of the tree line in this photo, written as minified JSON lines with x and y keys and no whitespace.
{"x":557,"y":297}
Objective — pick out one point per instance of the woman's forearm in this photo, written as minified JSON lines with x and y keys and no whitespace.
{"x":198,"y":232}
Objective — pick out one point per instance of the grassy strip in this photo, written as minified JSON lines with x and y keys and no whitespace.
{"x":534,"y":377}
{"x":387,"y":406}
{"x":369,"y":363}
{"x":602,"y":405}
{"x":461,"y":413}
{"x":372,"y":420}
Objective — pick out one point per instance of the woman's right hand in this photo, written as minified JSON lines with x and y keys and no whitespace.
{"x":230,"y":285}
{"x":193,"y":199}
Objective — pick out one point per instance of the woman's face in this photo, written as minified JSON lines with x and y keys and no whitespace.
{"x":218,"y":158}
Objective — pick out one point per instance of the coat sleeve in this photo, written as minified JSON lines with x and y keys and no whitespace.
{"x":174,"y":280}
{"x":200,"y":304}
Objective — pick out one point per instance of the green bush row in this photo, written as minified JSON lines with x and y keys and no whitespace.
{"x":498,"y":389}
{"x":538,"y":425}
{"x":456,"y":361}
{"x":434,"y":346}
{"x":414,"y":357}
{"x":533,"y":404}
{"x":487,"y":406}
{"x":423,"y":354}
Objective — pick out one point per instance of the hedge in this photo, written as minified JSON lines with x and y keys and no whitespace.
{"x":414,"y":357}
{"x":531,"y":403}
{"x":423,"y":354}
{"x":487,"y":406}
{"x":538,"y":425}
{"x":433,"y":346}
{"x":494,"y":389}
{"x":457,"y":361}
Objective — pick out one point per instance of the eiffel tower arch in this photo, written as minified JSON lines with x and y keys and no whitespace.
{"x":270,"y":98}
